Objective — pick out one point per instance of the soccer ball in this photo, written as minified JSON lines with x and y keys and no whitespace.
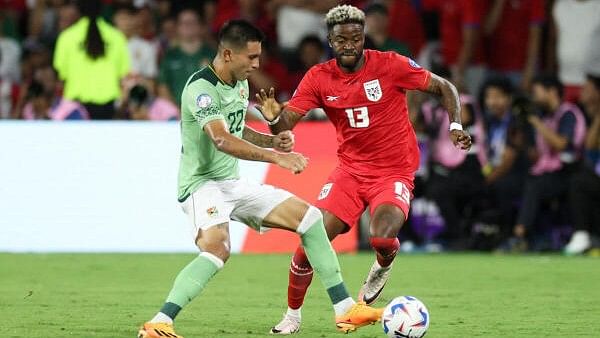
{"x":405,"y":317}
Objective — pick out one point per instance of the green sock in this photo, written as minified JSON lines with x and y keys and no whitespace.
{"x":189,"y":283}
{"x":324,"y":261}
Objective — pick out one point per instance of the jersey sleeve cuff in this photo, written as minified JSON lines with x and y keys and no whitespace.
{"x":296,"y":110}
{"x":426,"y":81}
{"x":205,"y":120}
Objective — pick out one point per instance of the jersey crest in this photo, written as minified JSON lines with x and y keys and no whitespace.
{"x":373,"y":90}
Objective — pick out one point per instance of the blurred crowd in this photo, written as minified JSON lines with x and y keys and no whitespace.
{"x":528,"y":72}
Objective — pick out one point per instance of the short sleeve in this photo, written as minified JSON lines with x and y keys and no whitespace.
{"x":537,"y":13}
{"x":306,"y":95}
{"x":201,"y":100}
{"x":408,"y":74}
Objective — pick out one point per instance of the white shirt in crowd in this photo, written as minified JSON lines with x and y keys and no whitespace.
{"x":144,"y":58}
{"x":576,"y":23}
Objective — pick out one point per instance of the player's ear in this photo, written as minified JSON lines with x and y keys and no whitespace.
{"x":227,"y":54}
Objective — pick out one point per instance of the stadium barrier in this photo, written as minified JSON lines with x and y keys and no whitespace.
{"x":111,"y":187}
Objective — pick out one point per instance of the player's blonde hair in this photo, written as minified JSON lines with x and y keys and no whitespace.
{"x":344,"y":14}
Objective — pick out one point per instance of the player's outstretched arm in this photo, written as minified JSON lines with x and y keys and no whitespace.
{"x":242,"y":149}
{"x":278,"y":117}
{"x":448,"y":95}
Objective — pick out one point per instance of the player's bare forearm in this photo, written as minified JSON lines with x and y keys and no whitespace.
{"x":234,"y":146}
{"x":256,"y":138}
{"x":287,"y":121}
{"x":448,"y":95}
{"x":243,"y":149}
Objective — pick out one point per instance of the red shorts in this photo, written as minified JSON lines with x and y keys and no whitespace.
{"x":346,"y":195}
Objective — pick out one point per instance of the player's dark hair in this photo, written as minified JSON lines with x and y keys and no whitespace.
{"x":595,"y":80}
{"x":549,"y":81}
{"x":94,"y":45}
{"x":237,"y":34}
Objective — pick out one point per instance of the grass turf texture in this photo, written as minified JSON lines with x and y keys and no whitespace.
{"x":109,"y":295}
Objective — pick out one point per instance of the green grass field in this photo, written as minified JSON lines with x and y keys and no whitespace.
{"x":109,"y":295}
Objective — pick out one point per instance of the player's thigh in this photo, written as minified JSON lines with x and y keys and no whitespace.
{"x":340,"y":198}
{"x":261,"y":205}
{"x":389,"y":204}
{"x":207,"y":207}
{"x":333,"y":224}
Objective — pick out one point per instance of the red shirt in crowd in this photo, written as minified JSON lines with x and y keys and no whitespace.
{"x":455,"y":15}
{"x":405,"y":25}
{"x":507,"y":46}
{"x":368,"y":110}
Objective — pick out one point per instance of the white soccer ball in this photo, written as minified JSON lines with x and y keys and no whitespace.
{"x":405,"y":317}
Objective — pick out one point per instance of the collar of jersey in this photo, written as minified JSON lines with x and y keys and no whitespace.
{"x":212,"y":69}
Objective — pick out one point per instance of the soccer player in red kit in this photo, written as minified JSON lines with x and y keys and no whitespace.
{"x":364,"y":96}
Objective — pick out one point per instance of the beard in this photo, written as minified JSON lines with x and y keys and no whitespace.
{"x":348,"y":60}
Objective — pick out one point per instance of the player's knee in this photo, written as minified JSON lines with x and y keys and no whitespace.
{"x":311,"y":217}
{"x":218,"y":249}
{"x":387,"y":221}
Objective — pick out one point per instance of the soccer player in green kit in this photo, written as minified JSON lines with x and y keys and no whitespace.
{"x":214,"y":137}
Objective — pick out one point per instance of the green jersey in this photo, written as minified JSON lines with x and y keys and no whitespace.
{"x":206,"y":98}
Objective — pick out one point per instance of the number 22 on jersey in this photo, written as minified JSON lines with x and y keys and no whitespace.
{"x":358,"y":117}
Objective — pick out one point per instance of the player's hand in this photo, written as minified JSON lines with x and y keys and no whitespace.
{"x":267,"y":105}
{"x":293,"y":162}
{"x":461,"y":139}
{"x":284,"y":141}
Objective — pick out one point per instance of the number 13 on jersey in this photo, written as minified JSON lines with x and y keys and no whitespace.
{"x":358,"y":117}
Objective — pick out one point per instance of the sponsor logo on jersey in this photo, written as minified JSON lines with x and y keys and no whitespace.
{"x":373,"y":90}
{"x":331,"y":98}
{"x":212,"y":212}
{"x":243,"y":94}
{"x":203,"y":100}
{"x":325,"y":191}
{"x":413,"y":64}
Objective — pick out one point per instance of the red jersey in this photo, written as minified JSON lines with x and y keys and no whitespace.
{"x":507,"y":47}
{"x":368,"y":110}
{"x":456,"y":15}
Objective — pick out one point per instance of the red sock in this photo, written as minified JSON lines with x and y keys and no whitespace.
{"x":301,"y":274}
{"x":386,"y":249}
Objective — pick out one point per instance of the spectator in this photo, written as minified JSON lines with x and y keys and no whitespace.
{"x":92,"y":74}
{"x":141,"y":105}
{"x":297,"y":19}
{"x":143,"y":54}
{"x":10,"y":55}
{"x":253,"y":11}
{"x":575,"y":22}
{"x":406,"y":24}
{"x":310,"y":52}
{"x":560,"y":133}
{"x":183,"y":60}
{"x":45,"y":105}
{"x":456,"y":176}
{"x":272,"y":73}
{"x":506,"y":145}
{"x":377,"y":22}
{"x":462,"y":47}
{"x":514,"y":31}
{"x":584,"y":192}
